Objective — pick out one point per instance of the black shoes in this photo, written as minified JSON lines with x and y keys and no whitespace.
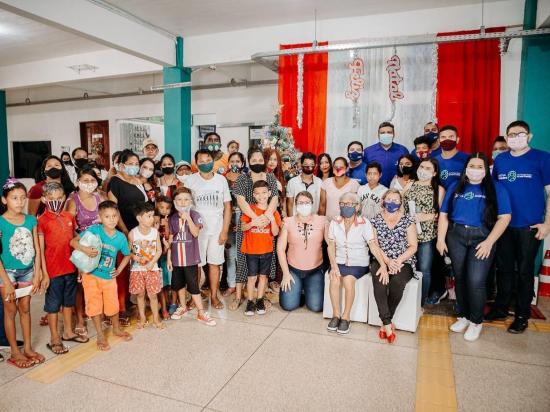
{"x":344,"y":327}
{"x":260,"y":306}
{"x":518,"y":325}
{"x":250,"y":308}
{"x":333,"y":324}
{"x":495,"y":314}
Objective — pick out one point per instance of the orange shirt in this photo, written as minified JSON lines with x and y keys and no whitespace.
{"x":257,"y":241}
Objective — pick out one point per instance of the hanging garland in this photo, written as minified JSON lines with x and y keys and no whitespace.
{"x":434,"y":87}
{"x":356,"y":84}
{"x":300,"y":91}
{"x":394,"y":81}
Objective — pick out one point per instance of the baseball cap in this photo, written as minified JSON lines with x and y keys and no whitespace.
{"x":147,"y":142}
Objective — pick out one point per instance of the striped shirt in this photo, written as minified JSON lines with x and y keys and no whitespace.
{"x":185,"y":246}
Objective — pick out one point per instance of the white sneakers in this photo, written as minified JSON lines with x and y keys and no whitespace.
{"x":473,"y":330}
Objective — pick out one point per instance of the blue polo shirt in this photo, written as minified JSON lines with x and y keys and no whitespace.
{"x":450,"y":169}
{"x":434,"y":153}
{"x":387,"y":158}
{"x":524,"y":177}
{"x":468,"y":207}
{"x":358,"y":173}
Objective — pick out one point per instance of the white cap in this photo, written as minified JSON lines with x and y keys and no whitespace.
{"x":147,"y":142}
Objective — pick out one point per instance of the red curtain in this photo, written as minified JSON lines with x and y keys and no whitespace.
{"x":468,"y":90}
{"x":311,"y":136}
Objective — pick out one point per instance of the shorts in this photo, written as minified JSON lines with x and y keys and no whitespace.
{"x":356,"y":271}
{"x":166,"y":274}
{"x":100,"y":295}
{"x":186,"y":277}
{"x":259,"y":264}
{"x":19,"y":278}
{"x":211,"y":251}
{"x":145,"y":281}
{"x":61,"y":292}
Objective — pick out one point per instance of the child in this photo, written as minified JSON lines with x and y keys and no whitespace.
{"x":184,"y":256}
{"x":371,"y":193}
{"x":19,"y":269}
{"x":422,"y":147}
{"x":162,"y":211}
{"x":56,"y":229}
{"x":145,"y":273}
{"x":100,"y":287}
{"x":258,"y":246}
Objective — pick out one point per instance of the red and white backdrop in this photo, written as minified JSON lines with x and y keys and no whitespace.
{"x":330,"y":99}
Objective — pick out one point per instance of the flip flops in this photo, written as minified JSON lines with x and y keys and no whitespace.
{"x":57,"y":348}
{"x":76,"y":338}
{"x":21,"y":363}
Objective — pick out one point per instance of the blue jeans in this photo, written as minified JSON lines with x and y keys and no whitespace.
{"x":3,"y":338}
{"x":313,"y":285}
{"x":470,"y":272}
{"x":425,"y":256}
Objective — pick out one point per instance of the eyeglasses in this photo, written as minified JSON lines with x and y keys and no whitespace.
{"x":520,"y":134}
{"x":342,"y":204}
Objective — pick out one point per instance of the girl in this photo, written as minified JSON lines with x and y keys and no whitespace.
{"x":474,"y":214}
{"x":324,"y":168}
{"x":163,"y":209}
{"x":405,"y":174}
{"x":20,"y":269}
{"x":334,"y":187}
{"x":168,"y":182}
{"x":147,"y":178}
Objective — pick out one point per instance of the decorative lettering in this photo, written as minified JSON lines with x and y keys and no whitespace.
{"x":356,"y":81}
{"x":393,"y":67}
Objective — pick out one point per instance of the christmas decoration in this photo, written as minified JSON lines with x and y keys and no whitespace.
{"x":300,"y":91}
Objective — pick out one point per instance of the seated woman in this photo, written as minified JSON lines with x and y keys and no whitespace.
{"x":394,"y":250}
{"x":302,"y":263}
{"x":349,"y":237}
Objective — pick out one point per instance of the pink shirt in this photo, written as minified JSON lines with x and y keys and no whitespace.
{"x":305,"y":242}
{"x":333,"y":195}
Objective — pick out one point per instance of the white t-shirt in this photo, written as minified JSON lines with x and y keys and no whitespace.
{"x":394,"y":184}
{"x":371,"y":200}
{"x":352,"y":247}
{"x":209,"y":197}
{"x":144,"y":246}
{"x":297,"y":185}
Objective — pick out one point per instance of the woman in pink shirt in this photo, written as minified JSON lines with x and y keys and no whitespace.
{"x":302,"y":263}
{"x":334,"y":187}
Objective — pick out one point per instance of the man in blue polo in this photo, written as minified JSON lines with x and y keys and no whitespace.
{"x":356,"y":165}
{"x":451,"y":160}
{"x":385,"y":152}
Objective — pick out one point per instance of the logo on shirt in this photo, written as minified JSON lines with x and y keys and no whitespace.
{"x":469,"y":195}
{"x":511,"y":176}
{"x":444,"y":174}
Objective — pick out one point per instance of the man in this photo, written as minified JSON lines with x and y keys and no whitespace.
{"x":213,"y":143}
{"x":356,"y":166}
{"x":525,"y":174}
{"x":385,"y":152}
{"x":451,"y":160}
{"x":212,"y":200}
{"x":304,"y":181}
{"x":150,"y":149}
{"x":431,"y":132}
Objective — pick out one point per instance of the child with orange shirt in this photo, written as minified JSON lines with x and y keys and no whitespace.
{"x":258,"y":246}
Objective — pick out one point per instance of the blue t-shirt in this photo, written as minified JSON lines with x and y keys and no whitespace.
{"x":17,"y":243}
{"x":469,"y":206}
{"x":387,"y":158}
{"x":433,"y":153}
{"x":524,"y":177}
{"x":358,"y":173}
{"x":111,"y":245}
{"x":450,"y":169}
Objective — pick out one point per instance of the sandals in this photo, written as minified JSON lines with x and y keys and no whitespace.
{"x":125,"y":336}
{"x":21,"y":363}
{"x":76,"y":338}
{"x":159,"y":326}
{"x":37,"y":358}
{"x":218,"y":305}
{"x":44,"y":320}
{"x":124,"y":321}
{"x":228,"y":292}
{"x":103,"y":345}
{"x":81,"y":331}
{"x":142,"y":325}
{"x":57,"y":348}
{"x":236,"y":303}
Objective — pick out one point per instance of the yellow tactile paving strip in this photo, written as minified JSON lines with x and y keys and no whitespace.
{"x":535,"y":326}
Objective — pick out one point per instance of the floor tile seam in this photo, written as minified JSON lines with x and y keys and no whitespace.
{"x":500,"y":360}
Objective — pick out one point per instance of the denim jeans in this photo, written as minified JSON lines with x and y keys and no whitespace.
{"x":470,"y":272}
{"x":313,"y":285}
{"x":3,"y":338}
{"x":425,"y":256}
{"x":516,"y":248}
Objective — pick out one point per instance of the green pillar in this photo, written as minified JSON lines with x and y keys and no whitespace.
{"x":177,"y":108}
{"x":4,"y":159}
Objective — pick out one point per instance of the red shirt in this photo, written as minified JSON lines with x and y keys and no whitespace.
{"x":258,"y":241}
{"x":58,"y":230}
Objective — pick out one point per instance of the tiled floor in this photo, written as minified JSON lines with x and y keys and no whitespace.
{"x":287,"y":362}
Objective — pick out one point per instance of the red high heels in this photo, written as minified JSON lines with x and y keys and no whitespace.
{"x":382,"y":334}
{"x":391,"y":338}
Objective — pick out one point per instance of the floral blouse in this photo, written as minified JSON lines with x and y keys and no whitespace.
{"x":423,"y":197}
{"x":393,"y":242}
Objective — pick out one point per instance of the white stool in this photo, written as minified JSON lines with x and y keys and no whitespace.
{"x":359,"y":309}
{"x":408,"y":312}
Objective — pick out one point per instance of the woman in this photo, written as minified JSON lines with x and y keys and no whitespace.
{"x":147,"y":178}
{"x":244,"y":196}
{"x":333,"y":188}
{"x":324,"y":166}
{"x":426,"y":195}
{"x":474,"y":214}
{"x":302,"y":263}
{"x":52,"y":170}
{"x":66,"y":159}
{"x":348,"y":238}
{"x":168,"y":182}
{"x":115,"y":159}
{"x":395,"y":260}
{"x":405,"y":174}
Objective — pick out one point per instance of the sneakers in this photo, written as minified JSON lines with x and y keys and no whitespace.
{"x":333,"y":324}
{"x":260,"y":307}
{"x":518,"y":325}
{"x":460,"y":325}
{"x":435,"y":298}
{"x":250,"y":308}
{"x":344,"y":327}
{"x":178,"y":314}
{"x":172,"y":307}
{"x":495,"y":314}
{"x":473,"y":332}
{"x":205,"y":319}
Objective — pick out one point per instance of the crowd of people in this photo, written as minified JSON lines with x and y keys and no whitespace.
{"x":177,"y":234}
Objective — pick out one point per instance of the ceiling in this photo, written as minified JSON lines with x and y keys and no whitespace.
{"x":23,"y":40}
{"x":195,"y":17}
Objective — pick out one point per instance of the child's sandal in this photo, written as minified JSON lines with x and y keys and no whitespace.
{"x":103,"y":346}
{"x":142,"y":325}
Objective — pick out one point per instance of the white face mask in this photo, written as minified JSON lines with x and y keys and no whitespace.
{"x":517,"y":143}
{"x":386,"y":138}
{"x":423,"y":175}
{"x":181,"y":178}
{"x":304,"y":210}
{"x":88,"y":187}
{"x":475,"y":175}
{"x":182,"y":209}
{"x":146,"y":173}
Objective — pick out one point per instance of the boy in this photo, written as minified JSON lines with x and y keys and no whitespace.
{"x":145,"y":276}
{"x":356,"y":166}
{"x":167,"y":298}
{"x":56,"y":228}
{"x":258,"y":246}
{"x":100,"y":288}
{"x":371,"y":193}
{"x":422,"y":147}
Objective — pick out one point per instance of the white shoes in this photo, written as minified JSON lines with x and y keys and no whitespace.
{"x":460,"y":325}
{"x":473,"y":332}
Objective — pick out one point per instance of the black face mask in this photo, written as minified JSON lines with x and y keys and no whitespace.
{"x":67,"y":162}
{"x":406,"y":170}
{"x":258,"y":168}
{"x":80,"y":163}
{"x":168,"y":170}
{"x":53,"y":173}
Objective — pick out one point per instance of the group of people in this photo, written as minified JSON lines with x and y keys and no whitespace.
{"x":238,"y":226}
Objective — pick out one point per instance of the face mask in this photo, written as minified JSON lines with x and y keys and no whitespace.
{"x":423,"y":175}
{"x":304,"y":210}
{"x":391,"y":207}
{"x":88,"y":187}
{"x":67,"y":162}
{"x":80,"y":163}
{"x":386,"y":138}
{"x":257,"y":168}
{"x":497,"y":152}
{"x":131,"y":170}
{"x":406,"y":170}
{"x":55,"y":205}
{"x":475,"y":175}
{"x":146,"y":173}
{"x":206,"y":167}
{"x":339,"y":171}
{"x":181,"y":178}
{"x":213,"y":147}
{"x":355,"y":156}
{"x":423,"y":154}
{"x":270,"y":170}
{"x":517,"y":143}
{"x":432,"y":136}
{"x":168,"y":170}
{"x":236,"y":169}
{"x":183,"y":209}
{"x":347,"y":211}
{"x":53,"y":173}
{"x":447,"y":145}
{"x":307,"y":170}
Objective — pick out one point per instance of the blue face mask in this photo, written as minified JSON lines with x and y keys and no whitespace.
{"x":355,"y":156}
{"x":131,"y":170}
{"x":432,"y":136}
{"x":386,"y":138}
{"x":347,"y":211}
{"x":391,"y":207}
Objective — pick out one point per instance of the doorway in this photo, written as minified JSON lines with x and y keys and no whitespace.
{"x":94,"y":138}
